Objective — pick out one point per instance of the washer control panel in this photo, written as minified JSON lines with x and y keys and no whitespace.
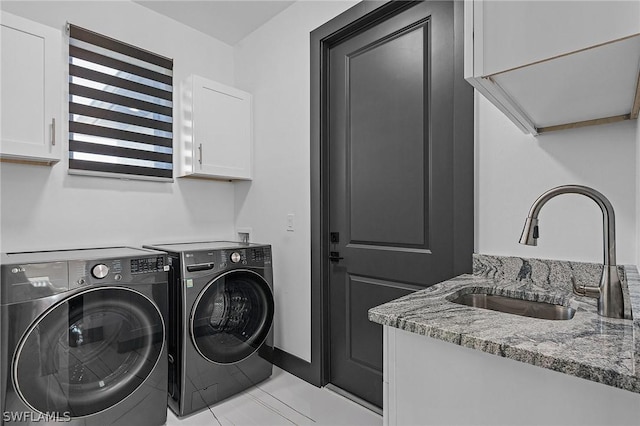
{"x":125,"y":270}
{"x":261,"y":255}
{"x":147,"y":265}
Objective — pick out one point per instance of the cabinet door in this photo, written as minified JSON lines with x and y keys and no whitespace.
{"x":554,"y":65}
{"x":221,"y":130}
{"x":516,"y":33}
{"x":31,"y":90}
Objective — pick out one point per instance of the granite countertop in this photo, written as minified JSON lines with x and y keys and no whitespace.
{"x":589,"y":346}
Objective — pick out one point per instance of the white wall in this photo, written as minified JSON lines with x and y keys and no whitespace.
{"x":45,"y":208}
{"x":273,"y":64}
{"x":638,"y":193}
{"x":513,"y":169}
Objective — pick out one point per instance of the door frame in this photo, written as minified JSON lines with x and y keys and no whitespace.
{"x":356,"y":19}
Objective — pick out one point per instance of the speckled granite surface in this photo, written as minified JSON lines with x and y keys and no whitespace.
{"x":589,"y":346}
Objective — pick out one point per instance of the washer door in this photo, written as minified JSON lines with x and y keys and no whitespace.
{"x":232,"y":317}
{"x":88,"y":352}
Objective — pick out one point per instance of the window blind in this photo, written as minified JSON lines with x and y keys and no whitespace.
{"x":120,"y":108}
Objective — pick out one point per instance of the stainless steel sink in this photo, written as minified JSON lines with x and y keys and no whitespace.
{"x":509,"y":305}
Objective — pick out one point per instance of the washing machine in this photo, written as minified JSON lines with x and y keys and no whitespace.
{"x":83,"y":337}
{"x":221,"y":310}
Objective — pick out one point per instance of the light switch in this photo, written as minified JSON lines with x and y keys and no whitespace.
{"x":290,"y":218}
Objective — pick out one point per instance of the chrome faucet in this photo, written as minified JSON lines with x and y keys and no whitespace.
{"x":609,"y":292}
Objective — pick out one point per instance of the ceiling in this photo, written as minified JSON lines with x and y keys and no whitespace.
{"x":226,"y":20}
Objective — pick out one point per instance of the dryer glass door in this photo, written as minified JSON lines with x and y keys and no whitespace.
{"x":88,"y":352}
{"x":232,"y":317}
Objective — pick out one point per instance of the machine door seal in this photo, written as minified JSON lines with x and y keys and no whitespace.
{"x":232,"y":316}
{"x":88,"y":352}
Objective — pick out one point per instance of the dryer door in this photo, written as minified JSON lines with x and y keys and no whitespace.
{"x":232,"y":317}
{"x":88,"y":352}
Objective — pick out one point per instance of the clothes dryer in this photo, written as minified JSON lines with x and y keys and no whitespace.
{"x":83,"y":337}
{"x":220,"y":321}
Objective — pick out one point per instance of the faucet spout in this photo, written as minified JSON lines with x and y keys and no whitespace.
{"x":530,"y":232}
{"x":609,"y":292}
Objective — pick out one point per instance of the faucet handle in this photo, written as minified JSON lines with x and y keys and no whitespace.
{"x":585,"y":290}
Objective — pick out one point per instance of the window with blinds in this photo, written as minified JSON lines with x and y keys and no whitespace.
{"x":120,"y":109}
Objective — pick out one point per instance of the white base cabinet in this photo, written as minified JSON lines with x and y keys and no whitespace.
{"x":216,"y":135}
{"x":432,"y":382}
{"x":31,"y":91}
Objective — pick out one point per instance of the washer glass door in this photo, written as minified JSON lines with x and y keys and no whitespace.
{"x":88,"y":352}
{"x":232,"y":317}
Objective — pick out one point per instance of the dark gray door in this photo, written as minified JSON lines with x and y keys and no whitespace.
{"x":390,"y":128}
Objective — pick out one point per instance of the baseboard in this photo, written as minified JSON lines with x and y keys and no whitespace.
{"x":296,"y":366}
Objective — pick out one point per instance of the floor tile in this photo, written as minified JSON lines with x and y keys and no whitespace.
{"x":321,"y":405}
{"x":198,"y":419}
{"x":282,"y":399}
{"x":247,"y":409}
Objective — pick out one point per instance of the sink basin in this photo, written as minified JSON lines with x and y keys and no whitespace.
{"x":509,"y":305}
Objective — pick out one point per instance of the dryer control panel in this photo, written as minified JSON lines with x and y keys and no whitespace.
{"x":217,"y":260}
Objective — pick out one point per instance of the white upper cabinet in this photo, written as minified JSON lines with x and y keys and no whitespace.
{"x":31,"y":91}
{"x":216,"y":131}
{"x":553,"y":65}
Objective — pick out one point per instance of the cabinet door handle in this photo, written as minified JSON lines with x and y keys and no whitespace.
{"x":53,"y":131}
{"x":200,"y":150}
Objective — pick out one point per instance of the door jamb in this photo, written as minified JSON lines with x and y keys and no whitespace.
{"x":356,"y":19}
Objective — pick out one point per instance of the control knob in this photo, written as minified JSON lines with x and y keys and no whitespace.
{"x":235,"y":257}
{"x":100,"y":271}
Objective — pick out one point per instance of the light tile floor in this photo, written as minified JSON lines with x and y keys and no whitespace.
{"x":282,"y":399}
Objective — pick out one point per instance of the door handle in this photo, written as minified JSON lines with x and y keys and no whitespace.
{"x":334,"y":256}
